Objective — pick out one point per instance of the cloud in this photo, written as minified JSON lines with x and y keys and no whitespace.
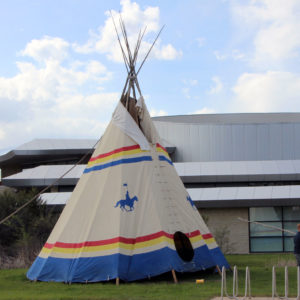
{"x":238,"y":55}
{"x":219,"y":56}
{"x":54,"y":96}
{"x":189,"y":84}
{"x":166,"y":52}
{"x":267,"y":92}
{"x":2,"y":134}
{"x":275,"y":27}
{"x":74,"y":116}
{"x":204,"y":110}
{"x":157,"y":113}
{"x":44,"y":82}
{"x":270,"y":39}
{"x":200,"y":41}
{"x":47,"y":82}
{"x":218,"y":86}
{"x":186,"y":92}
{"x":193,"y":82}
{"x":47,"y":48}
{"x":104,"y":40}
{"x":235,"y":54}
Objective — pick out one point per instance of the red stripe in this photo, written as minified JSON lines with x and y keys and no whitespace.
{"x":127,"y":148}
{"x":160,"y":146}
{"x":194,"y":233}
{"x":207,"y":236}
{"x":116,"y":151}
{"x":120,"y":239}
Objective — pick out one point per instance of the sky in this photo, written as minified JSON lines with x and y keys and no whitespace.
{"x":61,"y":69}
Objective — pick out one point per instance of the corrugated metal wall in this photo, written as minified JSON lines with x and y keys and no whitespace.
{"x":226,"y":142}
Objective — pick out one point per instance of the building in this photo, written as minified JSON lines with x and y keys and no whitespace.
{"x":235,"y":166}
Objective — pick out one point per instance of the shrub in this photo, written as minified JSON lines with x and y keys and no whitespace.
{"x":23,"y":235}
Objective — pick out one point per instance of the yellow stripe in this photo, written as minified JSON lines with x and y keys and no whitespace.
{"x":158,"y":149}
{"x":115,"y":155}
{"x":210,"y":241}
{"x":121,"y":245}
{"x":119,"y":154}
{"x":111,"y":246}
{"x":195,"y":239}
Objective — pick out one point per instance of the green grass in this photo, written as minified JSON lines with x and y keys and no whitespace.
{"x":14,"y":285}
{"x":261,"y":272}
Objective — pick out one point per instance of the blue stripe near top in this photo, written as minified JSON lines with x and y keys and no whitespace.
{"x":118,"y":162}
{"x":163,"y":158}
{"x":128,"y":268}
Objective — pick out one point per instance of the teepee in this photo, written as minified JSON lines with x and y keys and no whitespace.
{"x":129,"y":217}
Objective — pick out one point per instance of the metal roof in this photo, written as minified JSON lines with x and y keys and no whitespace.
{"x":288,"y":195}
{"x":36,"y":149}
{"x":57,"y":144}
{"x":239,"y":171}
{"x":56,"y":198}
{"x":195,"y":172}
{"x":40,"y":149}
{"x":44,"y":176}
{"x":235,"y":118}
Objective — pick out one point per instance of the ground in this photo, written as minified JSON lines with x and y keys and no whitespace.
{"x":14,"y":285}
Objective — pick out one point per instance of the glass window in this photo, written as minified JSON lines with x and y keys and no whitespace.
{"x":267,"y":239}
{"x":270,"y":244}
{"x":259,"y":230}
{"x":289,"y":244}
{"x":265,"y":214}
{"x":291,"y":226}
{"x":291,"y":213}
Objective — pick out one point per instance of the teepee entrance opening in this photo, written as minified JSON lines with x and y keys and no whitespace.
{"x":183,"y":246}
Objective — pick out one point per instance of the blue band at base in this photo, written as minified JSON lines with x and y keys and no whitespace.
{"x":128,"y":268}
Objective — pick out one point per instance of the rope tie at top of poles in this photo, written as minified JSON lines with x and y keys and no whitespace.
{"x":132,"y":77}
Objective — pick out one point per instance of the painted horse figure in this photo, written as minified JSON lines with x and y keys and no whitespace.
{"x":127,"y":202}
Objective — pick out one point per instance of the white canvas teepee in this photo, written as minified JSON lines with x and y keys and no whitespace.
{"x":129,"y":216}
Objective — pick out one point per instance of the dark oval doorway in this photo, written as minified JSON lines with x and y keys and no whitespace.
{"x":183,"y":246}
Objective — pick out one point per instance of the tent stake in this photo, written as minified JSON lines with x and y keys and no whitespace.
{"x":219,"y":270}
{"x":174,"y":276}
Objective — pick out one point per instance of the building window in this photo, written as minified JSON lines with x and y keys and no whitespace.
{"x":267,"y":239}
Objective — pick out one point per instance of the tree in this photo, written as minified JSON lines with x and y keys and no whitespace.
{"x":24,"y":233}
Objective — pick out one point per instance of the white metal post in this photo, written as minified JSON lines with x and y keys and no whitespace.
{"x":273,"y":282}
{"x":298,"y":281}
{"x":286,"y":283}
{"x":222,"y":283}
{"x":247,"y":283}
{"x":235,"y":284}
{"x":235,"y":288}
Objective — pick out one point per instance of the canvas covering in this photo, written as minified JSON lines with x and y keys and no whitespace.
{"x":121,"y":218}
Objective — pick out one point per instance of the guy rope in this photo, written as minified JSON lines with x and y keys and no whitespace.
{"x":268,"y":226}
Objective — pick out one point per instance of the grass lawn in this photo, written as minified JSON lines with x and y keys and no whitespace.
{"x":14,"y":285}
